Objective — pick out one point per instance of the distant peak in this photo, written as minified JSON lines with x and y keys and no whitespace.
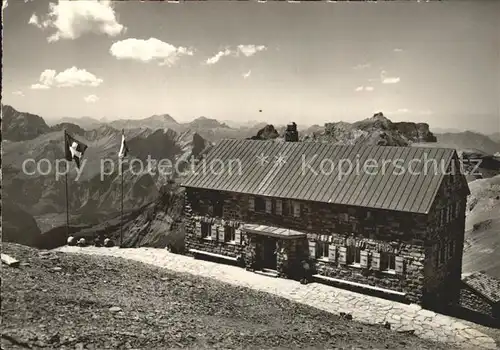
{"x":163,"y":117}
{"x":208,"y":123}
{"x":379,"y":116}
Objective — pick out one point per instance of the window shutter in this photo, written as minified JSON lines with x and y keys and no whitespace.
{"x":220,"y":232}
{"x":213,"y":231}
{"x":343,"y":255}
{"x":197,"y":227}
{"x":269,"y":205}
{"x":363,"y":258}
{"x":312,"y":250}
{"x":279,"y":207}
{"x":251,"y":203}
{"x":375,"y":261}
{"x":237,"y":236}
{"x":296,"y":209}
{"x":399,"y":264}
{"x":332,"y":253}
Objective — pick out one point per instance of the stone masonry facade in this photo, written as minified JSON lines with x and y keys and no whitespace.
{"x":445,"y":243}
{"x":416,"y":254}
{"x":471,"y":300}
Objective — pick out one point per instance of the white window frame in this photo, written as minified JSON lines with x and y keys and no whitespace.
{"x":355,"y":255}
{"x":231,"y":236}
{"x":385,"y":262}
{"x":442,"y":254}
{"x":322,"y":248}
{"x":208,"y":234}
{"x":344,"y":217}
{"x":451,"y":249}
{"x":279,"y":207}
{"x":296,"y":211}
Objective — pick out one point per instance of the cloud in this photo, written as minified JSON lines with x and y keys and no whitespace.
{"x":247,"y":74}
{"x":398,"y":50}
{"x":39,"y":87}
{"x":72,"y":19}
{"x":391,"y":80}
{"x":70,"y":77}
{"x":18,"y":93}
{"x":245,"y":50}
{"x":364,"y":88}
{"x":148,"y":51}
{"x":388,"y":80}
{"x":250,"y":50}
{"x":411,"y":111}
{"x":215,"y":58}
{"x":362,"y":66}
{"x":35,"y":21}
{"x":91,"y":99}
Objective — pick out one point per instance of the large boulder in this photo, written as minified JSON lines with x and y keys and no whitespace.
{"x":266,"y":133}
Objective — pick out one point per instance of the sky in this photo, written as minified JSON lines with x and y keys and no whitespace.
{"x":305,"y":62}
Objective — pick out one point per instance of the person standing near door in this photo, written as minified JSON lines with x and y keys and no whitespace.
{"x":306,"y":272}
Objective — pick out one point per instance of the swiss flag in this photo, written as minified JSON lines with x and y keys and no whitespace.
{"x":74,"y":149}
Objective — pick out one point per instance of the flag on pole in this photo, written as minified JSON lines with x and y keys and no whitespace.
{"x":123,"y":148}
{"x":74,"y":149}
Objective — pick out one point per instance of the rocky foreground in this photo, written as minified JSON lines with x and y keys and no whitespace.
{"x":67,"y":301}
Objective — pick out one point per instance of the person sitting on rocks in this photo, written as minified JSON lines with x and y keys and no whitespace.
{"x":108,"y":242}
{"x":81,"y":242}
{"x":98,"y":241}
{"x":71,"y":241}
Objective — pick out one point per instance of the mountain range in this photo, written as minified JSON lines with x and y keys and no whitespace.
{"x":94,"y":195}
{"x":34,"y":205}
{"x":377,"y":130}
{"x":495,"y":137}
{"x":208,"y":128}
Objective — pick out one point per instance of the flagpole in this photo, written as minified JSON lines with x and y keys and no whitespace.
{"x":67,"y":201}
{"x":121,"y":173}
{"x":121,"y":217}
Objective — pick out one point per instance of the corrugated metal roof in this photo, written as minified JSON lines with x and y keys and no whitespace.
{"x":325,"y":172}
{"x":484,"y":284}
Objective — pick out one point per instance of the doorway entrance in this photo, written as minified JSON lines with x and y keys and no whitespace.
{"x":269,"y":253}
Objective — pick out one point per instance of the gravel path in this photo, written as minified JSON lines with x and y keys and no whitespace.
{"x":364,"y":308}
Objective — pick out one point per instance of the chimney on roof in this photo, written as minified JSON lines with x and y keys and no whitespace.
{"x":291,"y":133}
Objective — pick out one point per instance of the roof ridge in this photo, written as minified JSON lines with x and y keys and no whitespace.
{"x":330,"y":173}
